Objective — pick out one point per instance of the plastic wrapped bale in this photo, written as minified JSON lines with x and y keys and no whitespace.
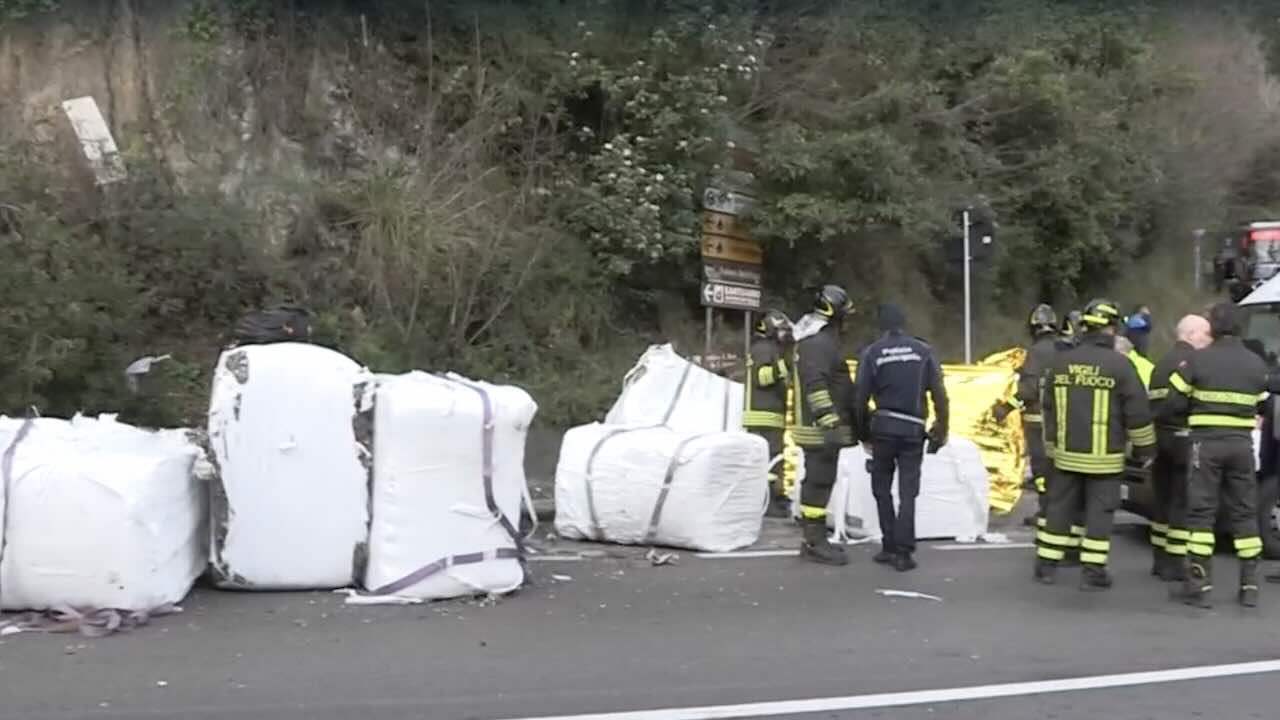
{"x":639,"y":485}
{"x":952,"y":501}
{"x":289,"y":428}
{"x":100,"y":515}
{"x":665,"y":389}
{"x":448,"y":481}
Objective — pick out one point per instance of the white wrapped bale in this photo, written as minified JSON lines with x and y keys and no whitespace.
{"x":448,"y":480}
{"x":290,"y":508}
{"x":665,"y":389}
{"x":637,"y":485}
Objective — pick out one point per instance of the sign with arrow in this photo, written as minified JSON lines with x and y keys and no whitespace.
{"x":731,"y":297}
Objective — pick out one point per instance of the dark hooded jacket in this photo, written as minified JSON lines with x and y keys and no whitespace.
{"x":900,"y":373}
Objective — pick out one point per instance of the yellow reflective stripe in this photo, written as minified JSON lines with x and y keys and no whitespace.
{"x":1101,"y":420}
{"x":1228,"y":421}
{"x":1015,"y":403}
{"x":763,"y":419}
{"x":1201,"y":543}
{"x":1088,"y":463}
{"x":1041,"y":487}
{"x":1179,"y":550}
{"x":1078,"y":531}
{"x":1060,"y":405}
{"x":812,"y":512}
{"x":1201,"y":537}
{"x":1225,"y":397}
{"x":1050,"y":553}
{"x":1160,"y":528}
{"x":1177,"y":383}
{"x":765,"y":376}
{"x":1095,"y":545}
{"x":1158,"y":394}
{"x":1178,"y":534}
{"x":806,"y":436}
{"x":1248,"y":543}
{"x":1034,"y":418}
{"x":1090,"y":558}
{"x":1041,"y":522}
{"x":1053,"y":539}
{"x":1159,"y":541}
{"x":820,"y":399}
{"x":1144,"y":436}
{"x":829,"y":420}
{"x":783,"y":371}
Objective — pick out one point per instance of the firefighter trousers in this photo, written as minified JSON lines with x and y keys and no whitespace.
{"x":819,"y":477}
{"x":906,"y":456}
{"x":1041,"y":467}
{"x":1101,"y":497}
{"x":1222,"y":470}
{"x":1169,"y":487}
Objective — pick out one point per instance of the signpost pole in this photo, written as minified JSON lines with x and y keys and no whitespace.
{"x":1197,"y":236}
{"x":706,"y":352}
{"x":968,"y":302}
{"x":746,"y":335}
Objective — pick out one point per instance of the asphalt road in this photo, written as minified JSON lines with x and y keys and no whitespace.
{"x":617,"y":634}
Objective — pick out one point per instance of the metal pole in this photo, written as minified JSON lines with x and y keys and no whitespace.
{"x":706,"y":353}
{"x":968,"y":302}
{"x":1196,"y":237}
{"x":746,"y":336}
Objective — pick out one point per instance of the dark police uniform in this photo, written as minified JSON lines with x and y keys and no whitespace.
{"x":896,"y":372}
{"x":1169,"y":532}
{"x":1220,"y":388}
{"x":1094,"y":403}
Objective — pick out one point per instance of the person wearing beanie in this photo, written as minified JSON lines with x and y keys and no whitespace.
{"x":901,"y":374}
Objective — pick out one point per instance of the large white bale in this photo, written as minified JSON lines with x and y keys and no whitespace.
{"x":665,"y":389}
{"x":448,"y":480}
{"x":952,"y":501}
{"x":101,"y":515}
{"x":290,"y":510}
{"x":638,"y":485}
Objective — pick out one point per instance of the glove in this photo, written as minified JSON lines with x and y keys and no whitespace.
{"x":831,"y":439}
{"x":1001,"y":410}
{"x":937,"y":440}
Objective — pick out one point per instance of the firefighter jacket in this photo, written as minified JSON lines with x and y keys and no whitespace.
{"x":1158,"y":390}
{"x":1219,"y":389}
{"x":896,"y":372}
{"x":1039,"y":358}
{"x":1143,"y":366}
{"x":823,"y":390}
{"x":1094,"y":404}
{"x":768,"y":371}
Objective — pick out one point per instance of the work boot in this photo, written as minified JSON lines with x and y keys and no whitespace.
{"x":817,"y":548}
{"x":1249,"y":583}
{"x":779,"y":507}
{"x":885,"y":556}
{"x":1175,"y":569}
{"x":1095,"y":578}
{"x":1197,"y":589}
{"x":1046,"y":571}
{"x":903,"y":562}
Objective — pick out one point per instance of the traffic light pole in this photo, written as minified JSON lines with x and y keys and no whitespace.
{"x":968,"y":303}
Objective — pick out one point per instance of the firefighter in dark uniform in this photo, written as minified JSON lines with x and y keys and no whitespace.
{"x":823,"y":422}
{"x":897,"y":372}
{"x":764,"y":410}
{"x":1068,"y":338}
{"x":1044,"y":347}
{"x":1169,"y":532}
{"x":1219,"y":389}
{"x":1094,"y":404}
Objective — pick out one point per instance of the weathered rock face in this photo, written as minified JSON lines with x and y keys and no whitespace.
{"x":202,"y":112}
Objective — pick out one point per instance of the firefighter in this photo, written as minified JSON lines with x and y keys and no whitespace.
{"x":1072,"y":329}
{"x":1093,"y":404}
{"x":900,"y":373}
{"x":1219,"y":389}
{"x":1068,"y":338}
{"x":765,"y":407}
{"x":1169,"y":472}
{"x":1043,"y":324}
{"x":823,"y":422}
{"x":1141,"y":364}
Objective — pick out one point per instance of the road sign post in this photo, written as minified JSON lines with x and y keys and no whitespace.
{"x":1197,"y":240}
{"x":968,"y":295}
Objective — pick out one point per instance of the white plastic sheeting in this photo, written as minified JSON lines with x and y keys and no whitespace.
{"x":952,"y":501}
{"x":291,"y":508}
{"x":436,"y":470}
{"x":640,"y":485}
{"x":100,"y":515}
{"x":665,"y":389}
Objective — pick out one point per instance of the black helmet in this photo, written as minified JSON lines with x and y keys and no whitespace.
{"x":1043,"y":320}
{"x":1101,"y":313}
{"x":774,"y":324}
{"x":1071,"y":324}
{"x":832,"y":302}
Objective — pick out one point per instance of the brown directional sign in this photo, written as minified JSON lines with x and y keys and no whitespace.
{"x":723,"y":224}
{"x":732,"y":273}
{"x":739,"y":250}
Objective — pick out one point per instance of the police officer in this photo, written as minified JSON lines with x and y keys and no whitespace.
{"x":823,"y":422}
{"x":1169,"y":472}
{"x":765,"y":407}
{"x":1093,"y":404}
{"x":896,"y":372}
{"x":1043,"y":324}
{"x":1220,"y":388}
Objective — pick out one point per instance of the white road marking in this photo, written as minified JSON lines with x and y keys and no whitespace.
{"x":556,"y":558}
{"x":984,"y":546}
{"x":747,"y":554}
{"x":929,"y":697}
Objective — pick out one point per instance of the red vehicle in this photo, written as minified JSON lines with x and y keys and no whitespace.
{"x":1248,"y":258}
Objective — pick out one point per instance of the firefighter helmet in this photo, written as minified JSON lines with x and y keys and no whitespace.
{"x":833,"y":302}
{"x":774,"y":324}
{"x":1071,"y":324}
{"x":1043,"y":320}
{"x":1101,"y":314}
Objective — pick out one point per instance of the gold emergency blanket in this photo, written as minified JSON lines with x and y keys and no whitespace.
{"x":972,"y":389}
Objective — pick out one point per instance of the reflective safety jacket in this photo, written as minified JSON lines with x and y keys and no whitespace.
{"x":768,"y":371}
{"x":1143,"y":366}
{"x":1158,"y":389}
{"x":1038,"y":360}
{"x":1094,"y":404}
{"x":1219,"y":388}
{"x":823,"y":390}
